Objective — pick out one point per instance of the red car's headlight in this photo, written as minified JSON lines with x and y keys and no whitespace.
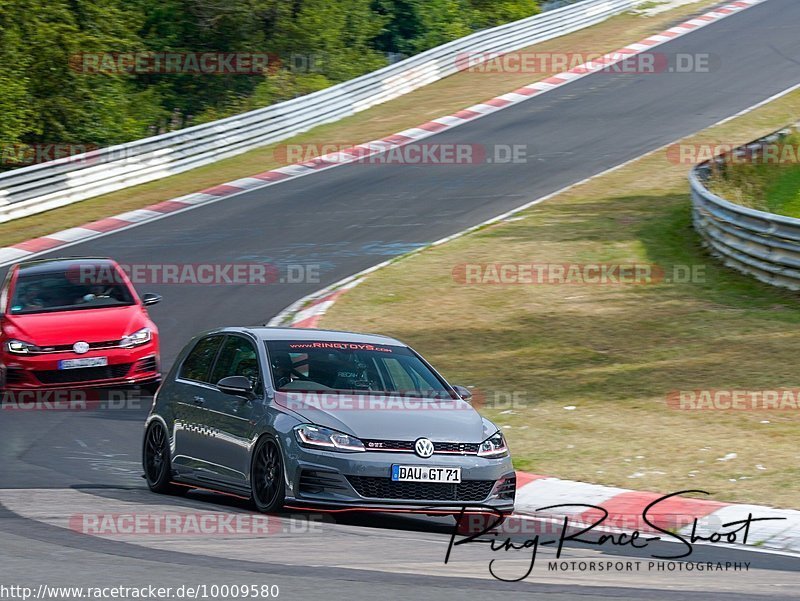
{"x":20,"y":347}
{"x":137,"y":338}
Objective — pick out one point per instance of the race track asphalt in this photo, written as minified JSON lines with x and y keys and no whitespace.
{"x":344,"y":220}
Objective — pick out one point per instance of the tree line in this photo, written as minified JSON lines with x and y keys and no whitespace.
{"x":98,"y":72}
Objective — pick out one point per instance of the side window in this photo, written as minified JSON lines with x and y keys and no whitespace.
{"x":400,"y":377}
{"x":198,"y":363}
{"x":238,"y":358}
{"x":4,"y":293}
{"x":407,"y":376}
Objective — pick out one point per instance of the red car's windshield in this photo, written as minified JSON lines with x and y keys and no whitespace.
{"x":59,"y":291}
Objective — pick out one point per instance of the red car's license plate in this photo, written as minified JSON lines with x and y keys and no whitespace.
{"x":83,"y":362}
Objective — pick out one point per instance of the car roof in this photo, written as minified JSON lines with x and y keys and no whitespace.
{"x":61,"y":264}
{"x":275,"y":333}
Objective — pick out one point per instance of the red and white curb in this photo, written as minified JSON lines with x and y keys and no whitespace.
{"x":309,"y":316}
{"x":676,"y":514}
{"x":102,"y":227}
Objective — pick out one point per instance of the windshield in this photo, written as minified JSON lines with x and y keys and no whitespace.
{"x":59,"y":291}
{"x":346,"y":367}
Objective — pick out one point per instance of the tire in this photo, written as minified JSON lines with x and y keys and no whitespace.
{"x":267,"y":484}
{"x":156,"y":460}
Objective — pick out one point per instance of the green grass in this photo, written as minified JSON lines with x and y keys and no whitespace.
{"x":772,"y":187}
{"x":783,"y":192}
{"x":593,"y":366}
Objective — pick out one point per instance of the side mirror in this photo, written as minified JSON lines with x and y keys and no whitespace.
{"x":463,"y":392}
{"x":150,"y":298}
{"x":236,"y":386}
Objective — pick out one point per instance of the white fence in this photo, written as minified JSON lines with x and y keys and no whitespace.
{"x":38,"y":188}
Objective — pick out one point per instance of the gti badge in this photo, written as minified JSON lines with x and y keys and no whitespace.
{"x":423,"y":447}
{"x":80,"y":347}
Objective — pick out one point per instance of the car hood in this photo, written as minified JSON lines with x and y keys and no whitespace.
{"x":388,"y":418}
{"x":68,"y":327}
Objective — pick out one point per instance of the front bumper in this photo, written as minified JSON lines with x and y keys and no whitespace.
{"x":363,"y":480}
{"x":137,"y":365}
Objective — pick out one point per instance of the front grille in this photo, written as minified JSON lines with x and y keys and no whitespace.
{"x":67,"y":348}
{"x":384,"y":488}
{"x":15,"y":376}
{"x":407,"y":446}
{"x":508,"y":488}
{"x":146,"y":364}
{"x":389,"y":445}
{"x":456,"y":447}
{"x":314,"y":482}
{"x":83,"y":374}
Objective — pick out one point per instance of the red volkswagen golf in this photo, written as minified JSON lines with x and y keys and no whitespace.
{"x":75,"y":323}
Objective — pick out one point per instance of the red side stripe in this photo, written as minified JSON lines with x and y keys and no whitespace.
{"x":432,"y":126}
{"x":270,"y":176}
{"x":397,"y":139}
{"x":524,"y":478}
{"x":168,"y":206}
{"x":106,"y":225}
{"x":38,"y":244}
{"x":625,"y":511}
{"x":221,"y":190}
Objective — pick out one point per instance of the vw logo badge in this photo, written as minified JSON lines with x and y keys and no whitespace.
{"x":423,"y":447}
{"x":80,"y":347}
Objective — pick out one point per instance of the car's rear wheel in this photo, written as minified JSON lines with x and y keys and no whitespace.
{"x":156,"y":460}
{"x":268,"y":488}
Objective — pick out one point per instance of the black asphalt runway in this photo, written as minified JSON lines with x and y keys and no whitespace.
{"x":344,"y":220}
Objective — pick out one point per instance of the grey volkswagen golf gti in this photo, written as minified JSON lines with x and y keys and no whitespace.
{"x":322,"y":419}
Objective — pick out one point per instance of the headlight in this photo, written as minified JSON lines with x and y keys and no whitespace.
{"x":20,"y":347}
{"x":494,"y":446}
{"x":136,"y":338}
{"x":317,"y":437}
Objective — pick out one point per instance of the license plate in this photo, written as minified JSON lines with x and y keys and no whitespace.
{"x":426,"y":473}
{"x":83,"y":362}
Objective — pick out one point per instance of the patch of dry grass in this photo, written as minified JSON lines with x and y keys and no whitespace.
{"x":613,"y":353}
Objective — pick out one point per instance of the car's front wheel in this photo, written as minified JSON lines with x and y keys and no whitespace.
{"x":268,"y":488}
{"x":156,"y":460}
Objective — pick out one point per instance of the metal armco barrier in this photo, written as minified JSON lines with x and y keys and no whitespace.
{"x":42,"y":187}
{"x":761,"y":244}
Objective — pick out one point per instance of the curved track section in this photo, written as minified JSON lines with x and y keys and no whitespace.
{"x":402,"y":556}
{"x":59,"y":465}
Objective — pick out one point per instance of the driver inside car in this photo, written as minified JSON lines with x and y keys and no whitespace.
{"x":283,"y":369}
{"x":31,"y":298}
